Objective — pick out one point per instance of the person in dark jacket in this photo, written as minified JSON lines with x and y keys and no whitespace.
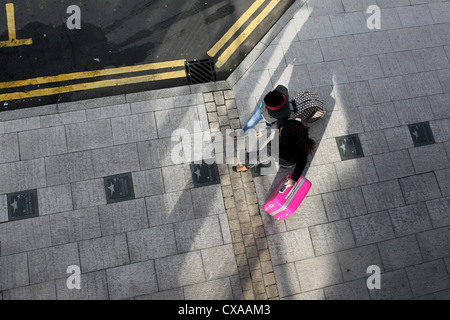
{"x":295,"y":146}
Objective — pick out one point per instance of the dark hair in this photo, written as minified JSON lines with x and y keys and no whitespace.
{"x":274,"y":99}
{"x":297,"y":138}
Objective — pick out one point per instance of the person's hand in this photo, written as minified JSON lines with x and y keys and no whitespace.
{"x":290,"y":183}
{"x":258,"y":134}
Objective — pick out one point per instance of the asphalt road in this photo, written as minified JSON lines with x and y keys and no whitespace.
{"x":122,"y":46}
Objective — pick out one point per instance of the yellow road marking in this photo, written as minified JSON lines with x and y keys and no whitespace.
{"x":13,"y":42}
{"x":92,"y":85}
{"x":92,"y":74}
{"x":244,"y":35}
{"x":236,"y":26}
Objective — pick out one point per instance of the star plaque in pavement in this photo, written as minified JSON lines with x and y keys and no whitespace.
{"x":421,"y":134}
{"x":204,"y":174}
{"x":22,"y":205}
{"x":349,"y":147}
{"x":119,"y":188}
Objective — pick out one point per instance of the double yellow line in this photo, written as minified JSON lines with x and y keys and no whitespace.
{"x":95,"y":84}
{"x":228,"y":52}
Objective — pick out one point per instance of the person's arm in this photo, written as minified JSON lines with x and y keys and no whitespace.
{"x":299,"y":167}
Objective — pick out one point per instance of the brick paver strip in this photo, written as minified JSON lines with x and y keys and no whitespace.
{"x":241,"y":203}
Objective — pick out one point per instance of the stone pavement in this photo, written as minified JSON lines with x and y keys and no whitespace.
{"x":111,"y":200}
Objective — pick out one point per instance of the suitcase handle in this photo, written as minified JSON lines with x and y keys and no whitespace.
{"x":284,"y":187}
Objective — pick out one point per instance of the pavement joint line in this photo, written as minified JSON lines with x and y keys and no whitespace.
{"x":244,"y":218}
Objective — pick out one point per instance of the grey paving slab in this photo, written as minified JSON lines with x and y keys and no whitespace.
{"x":332,"y":237}
{"x":318,"y":8}
{"x":114,"y":160}
{"x":339,"y":47}
{"x":325,"y":179}
{"x":373,"y":43}
{"x":354,"y":262}
{"x":318,"y":272}
{"x":344,"y":204}
{"x":412,"y":16}
{"x":428,"y":59}
{"x":104,"y":252}
{"x":3,"y":209}
{"x":208,"y":290}
{"x":398,"y":138}
{"x":349,"y":23}
{"x":55,"y":199}
{"x":9,"y":147}
{"x":389,"y":89}
{"x":394,"y":286}
{"x":287,"y":280}
{"x":198,"y":234}
{"x":380,"y":116}
{"x":131,"y":280}
{"x":178,"y":177}
{"x":444,"y":79}
{"x":25,"y":235}
{"x":302,"y":52}
{"x":438,"y":210}
{"x":372,"y":228}
{"x":420,"y":187}
{"x":167,"y":121}
{"x":313,"y":28}
{"x":22,"y":175}
{"x":434,"y":243}
{"x":325,"y":152}
{"x":75,"y":225}
{"x":60,"y":119}
{"x":20,"y":125}
{"x":151,"y":243}
{"x":440,"y":129}
{"x":354,"y":94}
{"x":169,"y":208}
{"x":122,"y":217}
{"x":423,"y":83}
{"x":71,"y":167}
{"x":148,"y":183}
{"x":440,"y":11}
{"x":14,"y":271}
{"x":400,"y":252}
{"x":410,"y":219}
{"x":179,"y":270}
{"x":207,"y":201}
{"x":363,"y":68}
{"x":310,"y":213}
{"x":174,"y":294}
{"x":393,"y":165}
{"x":436,"y":158}
{"x":219,"y":262}
{"x":271,"y":58}
{"x":383,"y":195}
{"x":133,"y":128}
{"x":327,"y":73}
{"x":40,"y":291}
{"x":52,"y":263}
{"x":118,"y":110}
{"x":88,"y":193}
{"x":155,"y":153}
{"x":428,"y":277}
{"x":93,"y":286}
{"x":290,"y":246}
{"x":413,"y":110}
{"x":443,"y":180}
{"x":352,"y":290}
{"x":89,"y":135}
{"x":356,"y":172}
{"x":397,"y":63}
{"x":373,"y":142}
{"x":42,"y":142}
{"x":336,"y":123}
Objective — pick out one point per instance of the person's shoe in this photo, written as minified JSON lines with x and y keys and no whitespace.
{"x":236,"y":170}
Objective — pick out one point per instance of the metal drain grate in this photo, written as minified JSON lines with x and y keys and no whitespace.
{"x":200,"y":71}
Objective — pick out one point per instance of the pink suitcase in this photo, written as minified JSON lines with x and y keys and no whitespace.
{"x":284,"y":201}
